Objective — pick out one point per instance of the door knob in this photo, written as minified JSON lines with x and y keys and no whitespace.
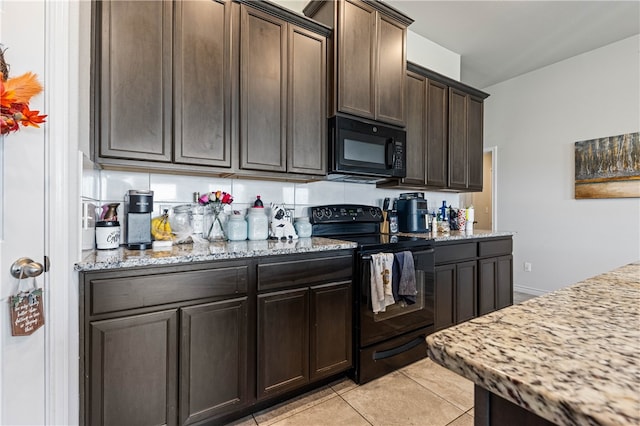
{"x":26,"y":268}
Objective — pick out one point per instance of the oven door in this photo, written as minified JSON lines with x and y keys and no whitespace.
{"x":400,"y":317}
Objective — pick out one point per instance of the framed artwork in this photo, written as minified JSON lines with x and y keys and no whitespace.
{"x":608,"y":167}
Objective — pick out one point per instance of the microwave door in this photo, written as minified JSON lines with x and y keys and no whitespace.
{"x":360,"y":154}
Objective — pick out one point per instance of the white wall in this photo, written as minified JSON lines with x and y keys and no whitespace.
{"x":423,"y":51}
{"x":535,"y":119}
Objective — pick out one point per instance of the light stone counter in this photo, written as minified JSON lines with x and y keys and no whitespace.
{"x":184,"y":253}
{"x":571,"y":356}
{"x":459,"y":235}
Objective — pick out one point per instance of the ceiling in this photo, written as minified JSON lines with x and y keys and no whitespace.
{"x":499,"y":40}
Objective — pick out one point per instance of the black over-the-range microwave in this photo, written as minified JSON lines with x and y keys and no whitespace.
{"x":361,"y":151}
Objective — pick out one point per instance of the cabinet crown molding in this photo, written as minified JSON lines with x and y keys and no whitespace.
{"x":432,"y":75}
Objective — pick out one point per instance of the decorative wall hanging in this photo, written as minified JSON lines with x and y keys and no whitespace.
{"x":15,"y":94}
{"x":608,"y":167}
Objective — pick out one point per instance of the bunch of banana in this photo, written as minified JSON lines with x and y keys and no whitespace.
{"x":160,"y":227}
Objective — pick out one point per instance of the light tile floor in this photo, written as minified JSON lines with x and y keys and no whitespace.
{"x":422,"y":393}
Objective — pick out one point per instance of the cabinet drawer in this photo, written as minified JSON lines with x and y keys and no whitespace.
{"x":304,"y":272}
{"x":120,"y":293}
{"x":455,"y":252}
{"x":495,"y":248}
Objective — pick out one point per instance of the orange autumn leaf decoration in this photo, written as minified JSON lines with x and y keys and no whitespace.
{"x":15,"y":94}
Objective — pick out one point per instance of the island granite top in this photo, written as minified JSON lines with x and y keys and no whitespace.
{"x":570,"y":356}
{"x":94,"y":260}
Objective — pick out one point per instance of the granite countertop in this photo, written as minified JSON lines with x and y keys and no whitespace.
{"x":459,"y":235}
{"x":570,"y":356}
{"x":183,"y":253}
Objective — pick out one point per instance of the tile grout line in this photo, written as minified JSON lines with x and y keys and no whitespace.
{"x":434,"y":393}
{"x":354,"y":408}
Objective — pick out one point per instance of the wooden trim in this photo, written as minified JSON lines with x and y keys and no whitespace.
{"x":432,"y":75}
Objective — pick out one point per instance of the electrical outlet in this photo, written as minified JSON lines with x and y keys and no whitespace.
{"x":527,"y":266}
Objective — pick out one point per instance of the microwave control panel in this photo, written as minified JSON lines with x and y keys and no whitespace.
{"x":345,"y":213}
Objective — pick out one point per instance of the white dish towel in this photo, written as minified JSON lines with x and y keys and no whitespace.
{"x":381,"y":291}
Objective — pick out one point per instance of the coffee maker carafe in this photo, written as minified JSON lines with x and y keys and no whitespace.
{"x":139,"y":206}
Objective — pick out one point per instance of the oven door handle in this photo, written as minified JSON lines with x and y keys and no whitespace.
{"x":365,"y":279}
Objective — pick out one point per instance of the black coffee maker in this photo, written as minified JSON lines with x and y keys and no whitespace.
{"x":139,"y":206}
{"x":412,"y":212}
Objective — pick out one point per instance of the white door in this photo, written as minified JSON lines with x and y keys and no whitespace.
{"x":34,"y":169}
{"x":22,"y":233}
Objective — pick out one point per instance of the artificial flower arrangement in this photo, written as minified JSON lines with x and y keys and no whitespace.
{"x":15,"y":94}
{"x":216,"y":201}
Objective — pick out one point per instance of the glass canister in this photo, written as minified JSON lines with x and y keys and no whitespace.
{"x":181,"y":222}
{"x":257,"y":224}
{"x":303,"y":227}
{"x":236,"y":228}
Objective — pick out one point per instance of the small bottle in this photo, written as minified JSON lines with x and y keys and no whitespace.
{"x":443,"y":210}
{"x":258,"y":203}
{"x":197,"y":216}
{"x":434,"y":224}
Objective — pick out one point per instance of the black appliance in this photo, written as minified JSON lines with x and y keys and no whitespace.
{"x":139,"y":206}
{"x":383,"y":341}
{"x":365,"y":151}
{"x":412,"y":212}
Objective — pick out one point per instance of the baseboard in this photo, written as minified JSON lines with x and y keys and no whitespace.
{"x":528,"y":290}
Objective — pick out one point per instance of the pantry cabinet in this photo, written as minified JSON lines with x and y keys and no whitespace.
{"x":369,"y":57}
{"x":283,"y":95}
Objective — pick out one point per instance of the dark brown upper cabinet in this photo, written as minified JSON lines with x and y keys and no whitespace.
{"x":444,"y":133}
{"x":368,"y":58}
{"x":204,"y":77}
{"x":215,"y":87}
{"x":134,"y":77}
{"x":166,"y":77}
{"x":282,"y":94}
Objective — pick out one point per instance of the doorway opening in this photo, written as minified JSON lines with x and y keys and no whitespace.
{"x":484,"y":203}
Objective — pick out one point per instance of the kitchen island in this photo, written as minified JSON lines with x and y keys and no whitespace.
{"x":570,"y":357}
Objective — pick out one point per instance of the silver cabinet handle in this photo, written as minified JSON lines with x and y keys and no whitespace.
{"x":26,"y":268}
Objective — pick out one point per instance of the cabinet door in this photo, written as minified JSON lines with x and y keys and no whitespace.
{"x":330,"y":337}
{"x":458,"y":155}
{"x":504,"y":284}
{"x":415,"y":97}
{"x":444,"y":297}
{"x":474,"y":142}
{"x":487,"y":285}
{"x":391,"y":68}
{"x":283,"y":341}
{"x":466,"y":285}
{"x":133,"y":370}
{"x":203,"y":83}
{"x":307,"y":117}
{"x":135,"y":80}
{"x":356,"y":58}
{"x":213,"y":359}
{"x":263,"y":91}
{"x":437,"y":134}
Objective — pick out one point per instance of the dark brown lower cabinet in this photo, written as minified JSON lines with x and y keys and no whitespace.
{"x":213,"y":359}
{"x":330,"y":340}
{"x":133,"y":376}
{"x":303,"y":335}
{"x":283,"y":341}
{"x":472,"y":278}
{"x":455,"y":293}
{"x":495,"y":287}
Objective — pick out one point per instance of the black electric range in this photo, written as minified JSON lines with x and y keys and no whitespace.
{"x":383,"y":341}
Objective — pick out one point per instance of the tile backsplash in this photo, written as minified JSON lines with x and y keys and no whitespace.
{"x":172,"y":190}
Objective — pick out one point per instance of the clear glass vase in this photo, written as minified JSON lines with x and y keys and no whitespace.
{"x":213,"y":222}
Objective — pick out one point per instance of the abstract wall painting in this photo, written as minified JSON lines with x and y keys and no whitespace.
{"x":608,"y":167}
